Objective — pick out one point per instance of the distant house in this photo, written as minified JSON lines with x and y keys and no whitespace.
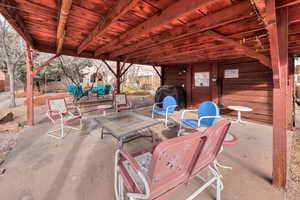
{"x":4,"y":82}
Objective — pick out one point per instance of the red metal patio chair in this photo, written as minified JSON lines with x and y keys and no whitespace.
{"x":120,"y":102}
{"x":153,"y":175}
{"x":59,"y":113}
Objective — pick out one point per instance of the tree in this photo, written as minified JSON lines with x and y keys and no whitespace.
{"x":12,"y":54}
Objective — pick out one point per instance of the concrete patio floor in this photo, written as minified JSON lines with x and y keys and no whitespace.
{"x":80,"y":167}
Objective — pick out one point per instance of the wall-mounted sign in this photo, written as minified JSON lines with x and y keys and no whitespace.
{"x":201,"y":79}
{"x":231,"y":73}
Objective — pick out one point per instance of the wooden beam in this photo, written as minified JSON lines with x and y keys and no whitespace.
{"x":292,"y":3}
{"x":61,"y":27}
{"x":39,"y":68}
{"x":118,"y":77}
{"x":29,"y":87}
{"x":109,"y":67}
{"x":157,"y":71}
{"x":122,"y":73}
{"x":176,"y":10}
{"x":246,"y":50}
{"x":16,"y":21}
{"x":114,"y":14}
{"x":278,"y":36}
{"x":225,"y":16}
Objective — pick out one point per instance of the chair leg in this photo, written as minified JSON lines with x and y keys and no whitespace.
{"x":166,"y":121}
{"x":179,"y":131}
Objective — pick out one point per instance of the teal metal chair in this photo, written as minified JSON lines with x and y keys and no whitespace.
{"x":102,"y":89}
{"x":76,"y":90}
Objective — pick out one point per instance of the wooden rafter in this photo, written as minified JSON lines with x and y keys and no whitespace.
{"x":225,"y":16}
{"x":16,"y":21}
{"x":292,"y":3}
{"x":157,"y":71}
{"x":122,"y":7}
{"x":171,"y":13}
{"x":109,"y":67}
{"x":247,"y":51}
{"x":122,"y":73}
{"x":39,"y":68}
{"x":61,"y":27}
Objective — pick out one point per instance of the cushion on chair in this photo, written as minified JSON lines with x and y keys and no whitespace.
{"x":143,"y":161}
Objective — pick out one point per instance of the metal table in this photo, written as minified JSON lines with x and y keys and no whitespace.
{"x":125,"y":126}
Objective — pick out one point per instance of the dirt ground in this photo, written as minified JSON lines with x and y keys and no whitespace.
{"x":293,"y":182}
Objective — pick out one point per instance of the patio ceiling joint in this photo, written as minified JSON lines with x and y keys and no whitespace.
{"x":39,"y":68}
{"x":61,"y":27}
{"x":246,"y":50}
{"x":109,"y":67}
{"x":157,"y":71}
{"x":113,"y":15}
{"x":16,"y":20}
{"x":176,"y":10}
{"x":122,"y":73}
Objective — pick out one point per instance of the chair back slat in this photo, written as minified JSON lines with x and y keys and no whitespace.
{"x":215,"y":136}
{"x":57,"y":104}
{"x":120,"y":99}
{"x":169,"y":101}
{"x":208,"y":108}
{"x":172,"y":162}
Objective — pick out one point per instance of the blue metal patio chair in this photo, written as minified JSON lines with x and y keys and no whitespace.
{"x":208,"y":115}
{"x":102,"y":89}
{"x":168,"y":107}
{"x":76,"y":90}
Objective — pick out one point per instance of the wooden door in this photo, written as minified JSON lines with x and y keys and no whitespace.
{"x":201,"y":83}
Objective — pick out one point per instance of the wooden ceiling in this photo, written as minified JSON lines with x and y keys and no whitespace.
{"x":155,"y":32}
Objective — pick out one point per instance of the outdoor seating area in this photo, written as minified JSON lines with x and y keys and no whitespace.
{"x":211,"y":118}
{"x":82,"y":164}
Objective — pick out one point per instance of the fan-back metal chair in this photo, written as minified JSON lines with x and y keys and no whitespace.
{"x":154,"y":174}
{"x":208,"y":115}
{"x":168,"y":107}
{"x":59,"y":113}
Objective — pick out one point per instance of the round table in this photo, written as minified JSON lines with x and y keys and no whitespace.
{"x":104,"y":108}
{"x":240,"y":109}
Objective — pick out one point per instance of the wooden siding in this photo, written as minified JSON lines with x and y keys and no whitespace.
{"x":253,"y":88}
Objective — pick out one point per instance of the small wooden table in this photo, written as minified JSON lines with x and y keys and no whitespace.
{"x":103,"y":108}
{"x":240,"y":109}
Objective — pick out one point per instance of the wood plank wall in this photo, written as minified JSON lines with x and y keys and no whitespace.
{"x":253,"y":88}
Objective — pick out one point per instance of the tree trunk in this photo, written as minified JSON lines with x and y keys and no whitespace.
{"x":12,"y":88}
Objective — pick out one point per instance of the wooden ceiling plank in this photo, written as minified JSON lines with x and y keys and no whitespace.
{"x":61,"y":27}
{"x":292,"y":3}
{"x":225,"y":16}
{"x":248,"y":51}
{"x":16,"y":21}
{"x":171,"y":13}
{"x":114,"y":14}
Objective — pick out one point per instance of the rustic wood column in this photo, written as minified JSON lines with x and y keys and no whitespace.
{"x":188,"y":85}
{"x":118,"y":77}
{"x":278,"y":33}
{"x":214,"y":88}
{"x":29,"y":87}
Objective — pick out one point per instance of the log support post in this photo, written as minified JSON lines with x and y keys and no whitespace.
{"x":278,"y":36}
{"x":29,"y":87}
{"x":188,"y":85}
{"x":118,"y":77}
{"x":214,"y":79}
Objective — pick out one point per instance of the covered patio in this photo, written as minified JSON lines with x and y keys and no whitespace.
{"x":259,"y":38}
{"x":81,"y":164}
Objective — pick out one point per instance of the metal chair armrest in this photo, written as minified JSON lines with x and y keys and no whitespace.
{"x":207,"y":117}
{"x":137,"y":170}
{"x":54,"y":111}
{"x":185,"y":111}
{"x":171,"y":106}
